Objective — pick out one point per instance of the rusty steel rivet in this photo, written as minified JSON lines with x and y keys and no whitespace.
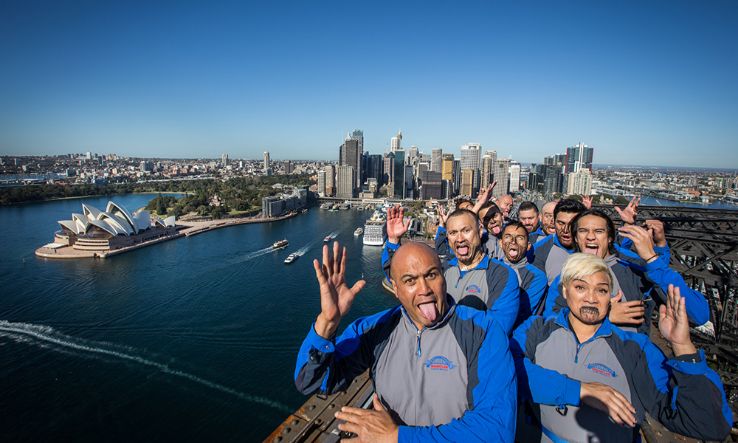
{"x":295,"y":422}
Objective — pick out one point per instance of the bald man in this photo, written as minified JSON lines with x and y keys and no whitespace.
{"x":441,"y":372}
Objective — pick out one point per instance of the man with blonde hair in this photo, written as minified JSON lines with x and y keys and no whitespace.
{"x":589,"y":380}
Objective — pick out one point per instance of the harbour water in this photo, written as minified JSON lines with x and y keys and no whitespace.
{"x":192,"y":339}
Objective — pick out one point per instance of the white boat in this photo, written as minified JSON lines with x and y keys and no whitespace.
{"x":358,"y":231}
{"x":292,"y":257}
{"x":375,"y":229}
{"x":280,"y":244}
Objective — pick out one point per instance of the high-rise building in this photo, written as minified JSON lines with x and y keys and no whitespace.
{"x":396,"y":142}
{"x":398,"y":175}
{"x":350,"y":155}
{"x":579,"y":182}
{"x":266,"y":160}
{"x":372,"y":164}
{"x":330,"y":180}
{"x":502,"y":177}
{"x":467,"y":181}
{"x":470,"y":159}
{"x":436,"y":158}
{"x":321,"y":183}
{"x":488,"y":163}
{"x":429,"y":185}
{"x":358,"y":135}
{"x":409,"y":191}
{"x":224,"y":160}
{"x":514,"y":176}
{"x":578,"y":157}
{"x":457,"y":177}
{"x":346,"y":177}
{"x":288,"y":167}
{"x":552,"y":179}
{"x":447,"y":167}
{"x":388,"y":171}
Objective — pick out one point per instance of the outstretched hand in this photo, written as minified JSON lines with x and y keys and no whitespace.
{"x":674,"y":323}
{"x":483,"y":197}
{"x":442,"y":215}
{"x":335,"y":295}
{"x":629,"y":214}
{"x":369,"y":425}
{"x":396,"y":225}
{"x":587,"y":201}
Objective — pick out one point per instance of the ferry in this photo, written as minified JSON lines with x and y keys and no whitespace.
{"x":280,"y":244}
{"x":292,"y":257}
{"x":358,"y":231}
{"x":329,"y":237}
{"x":375,"y":229}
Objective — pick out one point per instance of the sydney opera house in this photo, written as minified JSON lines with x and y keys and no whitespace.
{"x":95,"y":232}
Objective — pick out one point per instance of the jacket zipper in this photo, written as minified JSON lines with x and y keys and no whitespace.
{"x":417,"y":347}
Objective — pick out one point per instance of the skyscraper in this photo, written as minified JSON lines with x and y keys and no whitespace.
{"x":470,"y":159}
{"x":436,"y":158}
{"x":266,"y":160}
{"x":579,"y":182}
{"x":398,"y":174}
{"x":224,"y":160}
{"x":514,"y":176}
{"x":346,"y":178}
{"x":358,"y":135}
{"x":396,"y":142}
{"x":578,"y":157}
{"x":502,"y":177}
{"x":351,"y":156}
{"x":467,"y":181}
{"x":321,"y":183}
{"x":488,"y":163}
{"x":330,"y":181}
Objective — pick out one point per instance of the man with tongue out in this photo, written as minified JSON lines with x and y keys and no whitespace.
{"x":441,"y":371}
{"x":474,"y":279}
{"x":636,"y":287}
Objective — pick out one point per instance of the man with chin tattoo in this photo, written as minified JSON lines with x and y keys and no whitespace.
{"x":441,"y":371}
{"x":474,"y":279}
{"x":581,"y":378}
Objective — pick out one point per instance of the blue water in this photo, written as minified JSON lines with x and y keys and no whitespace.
{"x":191,"y":339}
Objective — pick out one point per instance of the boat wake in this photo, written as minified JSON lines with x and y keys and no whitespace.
{"x":252,"y":255}
{"x":47,"y":337}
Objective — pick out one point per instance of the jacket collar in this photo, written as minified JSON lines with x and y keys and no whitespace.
{"x":605,"y":329}
{"x":557,"y":243}
{"x":484,"y":264}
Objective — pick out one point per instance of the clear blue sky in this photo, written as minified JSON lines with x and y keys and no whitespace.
{"x":644,"y":82}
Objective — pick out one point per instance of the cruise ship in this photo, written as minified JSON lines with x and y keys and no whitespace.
{"x":375,"y":229}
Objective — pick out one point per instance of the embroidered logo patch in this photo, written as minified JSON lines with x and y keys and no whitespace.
{"x":599,"y":368}
{"x":439,"y":363}
{"x":473,"y":289}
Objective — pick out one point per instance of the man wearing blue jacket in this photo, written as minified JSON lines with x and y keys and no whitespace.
{"x":474,"y":279}
{"x":549,"y":253}
{"x":636,"y":286}
{"x":589,"y":380}
{"x":441,"y":372}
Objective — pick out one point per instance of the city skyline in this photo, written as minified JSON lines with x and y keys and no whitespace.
{"x":645,"y":84}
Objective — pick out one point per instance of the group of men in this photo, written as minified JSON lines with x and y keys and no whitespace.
{"x":527,"y":328}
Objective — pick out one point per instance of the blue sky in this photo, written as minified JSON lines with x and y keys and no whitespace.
{"x":644,"y":82}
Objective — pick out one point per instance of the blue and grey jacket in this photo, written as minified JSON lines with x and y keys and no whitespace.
{"x":537,"y":234}
{"x":454,"y":381}
{"x":533,"y":288}
{"x":683,"y":393}
{"x":490,"y":242}
{"x":549,"y":256}
{"x":491,"y":286}
{"x":649,"y":283}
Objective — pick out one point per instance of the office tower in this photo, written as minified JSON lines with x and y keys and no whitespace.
{"x":579,"y":182}
{"x":470,"y":159}
{"x":224,"y":160}
{"x":398,"y":175}
{"x":436,"y":158}
{"x":409,"y":191}
{"x":514,"y":176}
{"x":388,"y":163}
{"x":429,"y":185}
{"x":467,"y":181}
{"x":330,"y":180}
{"x":396,"y":142}
{"x":349,"y":155}
{"x":321,"y":183}
{"x":372,"y":165}
{"x":412,"y":156}
{"x":346,"y":179}
{"x":457,"y":177}
{"x":578,"y":157}
{"x":358,"y":135}
{"x":488,"y":163}
{"x":266,"y":160}
{"x":501,"y":176}
{"x":447,"y":167}
{"x":552,"y":179}
{"x":288,"y":167}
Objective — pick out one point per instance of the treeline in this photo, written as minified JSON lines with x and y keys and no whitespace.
{"x":241,"y":193}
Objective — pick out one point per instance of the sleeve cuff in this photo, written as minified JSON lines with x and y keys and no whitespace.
{"x":321,"y":344}
{"x":572,"y":392}
{"x":404,"y":433}
{"x":693,"y":364}
{"x":656,"y":265}
{"x":392,"y":246}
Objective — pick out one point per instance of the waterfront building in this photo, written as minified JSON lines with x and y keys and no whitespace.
{"x":281,"y":204}
{"x":470,"y":159}
{"x":330,"y":180}
{"x":321,"y":183}
{"x":579,"y":182}
{"x":514,"y":176}
{"x":346,"y":178}
{"x":501,"y":176}
{"x":350,"y":155}
{"x":436,"y":158}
